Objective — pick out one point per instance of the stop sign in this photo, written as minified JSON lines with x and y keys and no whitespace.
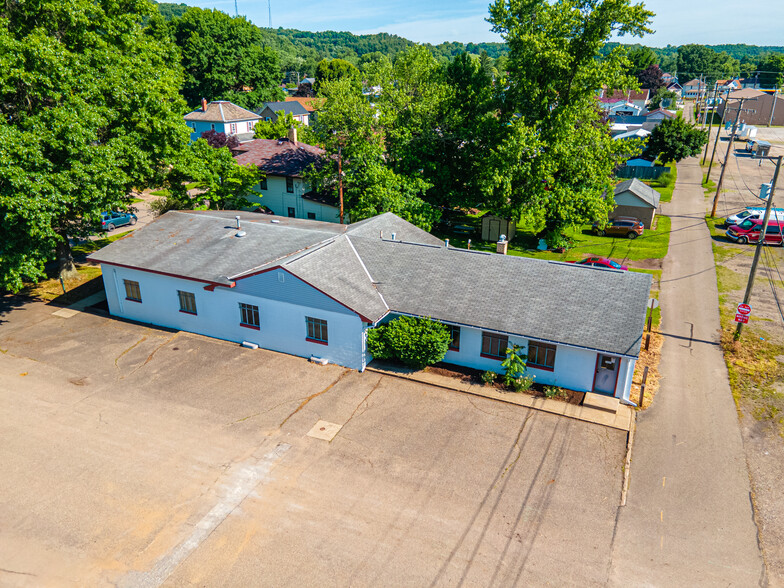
{"x":744,"y":309}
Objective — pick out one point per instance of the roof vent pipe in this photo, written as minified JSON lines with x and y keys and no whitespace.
{"x":381,"y":234}
{"x":393,"y":236}
{"x":237,"y":218}
{"x":446,"y":242}
{"x":204,"y":105}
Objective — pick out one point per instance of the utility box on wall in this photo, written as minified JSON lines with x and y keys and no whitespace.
{"x":495,"y":226}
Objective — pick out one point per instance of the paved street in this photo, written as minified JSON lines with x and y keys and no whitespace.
{"x":688,"y":520}
{"x":136,"y":456}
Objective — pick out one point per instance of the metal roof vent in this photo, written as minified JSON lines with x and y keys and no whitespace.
{"x":237,"y":218}
{"x":240,"y":234}
{"x":393,"y":236}
{"x":446,"y":243}
{"x":275,"y":221}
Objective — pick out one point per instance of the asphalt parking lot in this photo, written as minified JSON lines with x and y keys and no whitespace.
{"x":135,"y":456}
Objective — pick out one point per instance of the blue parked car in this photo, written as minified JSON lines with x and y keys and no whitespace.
{"x":112,"y":220}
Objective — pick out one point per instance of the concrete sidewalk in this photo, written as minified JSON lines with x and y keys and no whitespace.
{"x":622,"y":419}
{"x":688,"y":520}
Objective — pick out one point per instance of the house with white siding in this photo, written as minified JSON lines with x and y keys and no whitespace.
{"x":285,"y":191}
{"x":221,"y":116}
{"x":313,"y":289}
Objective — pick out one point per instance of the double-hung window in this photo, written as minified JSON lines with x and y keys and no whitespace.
{"x":541,"y":355}
{"x":249,"y":316}
{"x":132,"y":291}
{"x":187,"y":302}
{"x":263,"y":184}
{"x":317,"y":330}
{"x":454,"y":345}
{"x":233,"y":128}
{"x":494,"y":346}
{"x":290,"y":185}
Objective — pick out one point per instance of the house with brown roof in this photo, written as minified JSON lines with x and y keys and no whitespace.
{"x":285,"y":191}
{"x":693,"y":89}
{"x":221,"y":116}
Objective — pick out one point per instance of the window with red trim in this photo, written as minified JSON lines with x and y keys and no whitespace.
{"x":494,"y":345}
{"x":317,"y":330}
{"x":541,"y":355}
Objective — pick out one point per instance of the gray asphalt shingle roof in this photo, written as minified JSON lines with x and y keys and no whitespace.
{"x":549,"y":301}
{"x":294,"y":108}
{"x":640,"y":189}
{"x":221,"y":111}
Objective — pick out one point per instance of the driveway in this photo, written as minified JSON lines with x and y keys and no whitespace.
{"x":137,"y":456}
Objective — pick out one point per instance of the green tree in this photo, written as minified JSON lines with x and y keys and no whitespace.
{"x":225,"y":58}
{"x":329,"y":70}
{"x":347,"y":129}
{"x":695,"y":60}
{"x":640,"y":58}
{"x":90,"y":110}
{"x":663,"y":98}
{"x":771,"y":70}
{"x":676,"y":139}
{"x":221,"y":184}
{"x":556,"y":158}
{"x":280,"y":128}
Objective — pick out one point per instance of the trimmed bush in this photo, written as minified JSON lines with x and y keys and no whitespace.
{"x":417,"y":342}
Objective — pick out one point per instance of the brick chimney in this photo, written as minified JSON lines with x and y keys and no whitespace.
{"x":502,"y":245}
{"x":293,"y":135}
{"x":204,"y":105}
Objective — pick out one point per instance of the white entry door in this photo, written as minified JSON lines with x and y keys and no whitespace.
{"x":606,"y":374}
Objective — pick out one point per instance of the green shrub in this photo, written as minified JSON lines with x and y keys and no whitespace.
{"x":666,"y":179}
{"x":417,"y":342}
{"x":522,"y":383}
{"x":551,"y":391}
{"x":514,"y":364}
{"x":489,"y":377}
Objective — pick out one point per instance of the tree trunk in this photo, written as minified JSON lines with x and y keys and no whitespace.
{"x":65,"y":262}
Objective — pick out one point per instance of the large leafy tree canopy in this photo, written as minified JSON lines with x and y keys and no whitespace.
{"x":225,"y":58}
{"x":90,"y":109}
{"x":696,"y":60}
{"x":557,"y":158}
{"x":676,"y":139}
{"x":348,"y":130}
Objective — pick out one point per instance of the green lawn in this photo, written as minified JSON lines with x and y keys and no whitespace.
{"x":665,"y":189}
{"x":164,"y":192}
{"x":652,"y":244}
{"x":90,"y":246}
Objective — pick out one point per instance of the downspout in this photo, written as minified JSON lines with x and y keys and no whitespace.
{"x":117,"y":291}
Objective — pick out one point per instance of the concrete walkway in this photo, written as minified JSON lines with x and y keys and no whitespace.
{"x":622,"y":419}
{"x":688,"y":520}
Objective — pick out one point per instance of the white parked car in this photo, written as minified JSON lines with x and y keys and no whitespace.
{"x":753,"y":212}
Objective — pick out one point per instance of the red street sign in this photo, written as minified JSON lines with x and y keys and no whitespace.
{"x":741,"y":318}
{"x":744,"y":309}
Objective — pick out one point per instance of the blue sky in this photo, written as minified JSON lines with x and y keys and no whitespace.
{"x":756,"y":22}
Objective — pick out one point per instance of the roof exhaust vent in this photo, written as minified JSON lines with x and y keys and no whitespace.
{"x":240,"y":234}
{"x":275,"y":221}
{"x":237,"y":218}
{"x":393,"y":236}
{"x":446,"y":242}
{"x":381,"y":234}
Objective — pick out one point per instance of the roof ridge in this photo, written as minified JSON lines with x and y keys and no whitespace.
{"x":364,"y":267}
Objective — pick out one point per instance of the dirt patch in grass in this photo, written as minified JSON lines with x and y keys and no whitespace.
{"x":87,"y":282}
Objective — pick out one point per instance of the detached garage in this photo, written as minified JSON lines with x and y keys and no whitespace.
{"x":637,"y":199}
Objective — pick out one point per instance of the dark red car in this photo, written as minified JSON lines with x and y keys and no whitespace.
{"x":601,"y":262}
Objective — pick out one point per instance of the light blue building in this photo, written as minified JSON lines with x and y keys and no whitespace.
{"x":223,"y":117}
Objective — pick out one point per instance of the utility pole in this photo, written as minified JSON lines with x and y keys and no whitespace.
{"x":718,"y":132}
{"x":760,"y":243}
{"x":269,"y":12}
{"x":726,"y":159}
{"x":340,"y":180}
{"x":710,"y":124}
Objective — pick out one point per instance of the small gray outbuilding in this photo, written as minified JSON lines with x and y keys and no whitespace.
{"x":637,"y":199}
